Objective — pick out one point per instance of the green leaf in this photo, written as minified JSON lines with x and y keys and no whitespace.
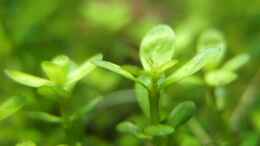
{"x":193,"y":66}
{"x":143,"y":95}
{"x":61,"y":60}
{"x":114,"y":68}
{"x":27,"y":79}
{"x":212,"y":39}
{"x":236,"y":62}
{"x":11,"y":106}
{"x":54,"y":72}
{"x":45,"y":117}
{"x":80,"y":72}
{"x":135,"y":70}
{"x":181,"y":113}
{"x":81,"y":112}
{"x":167,"y":66}
{"x":128,"y":127}
{"x":220,"y":77}
{"x":26,"y":143}
{"x":157,"y":47}
{"x":159,"y":130}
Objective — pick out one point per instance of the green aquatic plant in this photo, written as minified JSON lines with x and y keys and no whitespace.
{"x":159,"y":72}
{"x":62,"y":76}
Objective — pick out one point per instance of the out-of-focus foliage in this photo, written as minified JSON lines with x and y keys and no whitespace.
{"x":225,"y":92}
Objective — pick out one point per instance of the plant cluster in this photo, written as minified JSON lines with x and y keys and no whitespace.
{"x":160,"y":71}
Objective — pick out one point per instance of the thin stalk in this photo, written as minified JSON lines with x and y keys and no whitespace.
{"x":66,"y":124}
{"x":154,"y":94}
{"x":246,"y":101}
{"x":200,"y":133}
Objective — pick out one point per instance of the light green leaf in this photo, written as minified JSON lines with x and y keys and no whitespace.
{"x":143,"y":95}
{"x":45,"y":117}
{"x":27,"y":79}
{"x":220,"y":77}
{"x":212,"y":39}
{"x":26,"y":143}
{"x":61,"y":60}
{"x":193,"y":66}
{"x":114,"y":68}
{"x":80,"y":72}
{"x":159,"y":130}
{"x":236,"y":62}
{"x":157,"y":47}
{"x":167,"y":66}
{"x":54,"y":72}
{"x":128,"y":127}
{"x":181,"y":113}
{"x":11,"y":106}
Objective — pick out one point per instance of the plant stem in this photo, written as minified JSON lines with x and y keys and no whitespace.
{"x":200,"y":133}
{"x":66,"y":121}
{"x":155,"y":111}
{"x":246,"y":101}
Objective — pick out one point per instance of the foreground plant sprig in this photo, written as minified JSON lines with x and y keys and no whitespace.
{"x":156,"y":55}
{"x":62,"y":76}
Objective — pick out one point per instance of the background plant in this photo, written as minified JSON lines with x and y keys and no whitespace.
{"x":63,"y":74}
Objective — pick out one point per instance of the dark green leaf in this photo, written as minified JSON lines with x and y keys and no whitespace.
{"x":45,"y":117}
{"x":128,"y":127}
{"x":181,"y":113}
{"x":159,"y":130}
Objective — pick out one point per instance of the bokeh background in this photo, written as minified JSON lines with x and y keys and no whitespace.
{"x":35,"y":30}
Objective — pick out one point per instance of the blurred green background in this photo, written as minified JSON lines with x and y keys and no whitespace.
{"x":35,"y":30}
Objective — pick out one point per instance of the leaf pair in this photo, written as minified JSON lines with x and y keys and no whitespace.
{"x":156,"y":56}
{"x":147,"y":132}
{"x":61,"y":71}
{"x":179,"y":116}
{"x":226,"y":74}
